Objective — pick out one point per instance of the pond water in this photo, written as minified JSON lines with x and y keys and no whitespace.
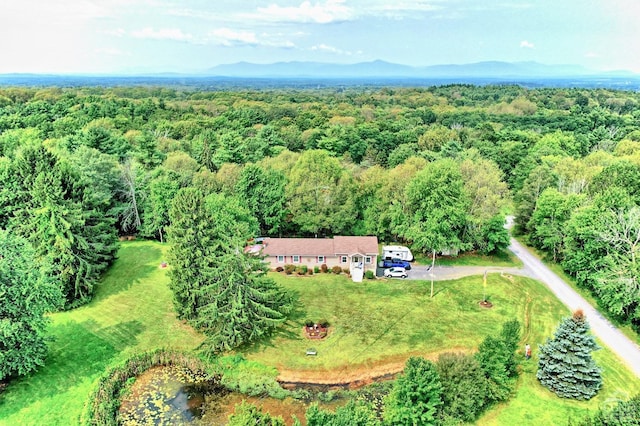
{"x":163,"y":396}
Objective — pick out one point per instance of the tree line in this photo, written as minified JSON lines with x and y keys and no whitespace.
{"x":436,"y":168}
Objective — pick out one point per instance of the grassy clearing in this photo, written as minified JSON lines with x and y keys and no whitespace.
{"x":387,"y":320}
{"x":373,"y":323}
{"x":503,"y":259}
{"x":132,"y":312}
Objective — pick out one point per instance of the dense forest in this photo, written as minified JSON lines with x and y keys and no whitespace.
{"x":437,"y":168}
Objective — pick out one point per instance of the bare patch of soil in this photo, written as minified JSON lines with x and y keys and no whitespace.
{"x":355,"y":376}
{"x":486,"y":304}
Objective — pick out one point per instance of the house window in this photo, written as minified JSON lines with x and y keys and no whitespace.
{"x":295,"y":259}
{"x":343,"y":259}
{"x":280,"y":259}
{"x":320,"y":259}
{"x":367,"y":259}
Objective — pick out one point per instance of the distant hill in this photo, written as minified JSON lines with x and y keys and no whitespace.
{"x":491,"y":69}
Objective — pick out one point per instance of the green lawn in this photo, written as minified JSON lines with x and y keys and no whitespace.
{"x":504,"y":259}
{"x":132,"y":312}
{"x":387,"y":320}
{"x":373,"y":323}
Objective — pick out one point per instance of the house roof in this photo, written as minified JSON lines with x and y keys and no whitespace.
{"x":320,"y":246}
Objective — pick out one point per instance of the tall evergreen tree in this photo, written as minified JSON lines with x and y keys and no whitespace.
{"x":27,"y":295}
{"x":217,"y":286}
{"x":565,"y":364}
{"x":416,"y":395}
{"x":66,"y":219}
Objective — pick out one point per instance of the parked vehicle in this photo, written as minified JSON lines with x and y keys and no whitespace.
{"x":399,"y":252}
{"x":395,"y":262}
{"x":397,"y":272}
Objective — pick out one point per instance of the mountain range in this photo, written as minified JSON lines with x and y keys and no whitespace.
{"x":382,"y":69}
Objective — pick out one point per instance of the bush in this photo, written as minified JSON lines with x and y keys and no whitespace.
{"x":310,"y":271}
{"x":316,"y":269}
{"x":336,"y":270}
{"x":369,"y":275}
{"x":289,"y":269}
{"x":346,"y":270}
{"x":324,"y":268}
{"x":308,"y":323}
{"x":249,"y":377}
{"x":301,"y":270}
{"x":323,"y":323}
{"x":279,"y":269}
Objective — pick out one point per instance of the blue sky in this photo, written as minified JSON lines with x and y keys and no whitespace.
{"x":114,"y":36}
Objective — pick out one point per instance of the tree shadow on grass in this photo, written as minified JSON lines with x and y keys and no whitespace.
{"x":80,"y":352}
{"x":135,"y":263}
{"x":289,"y":330}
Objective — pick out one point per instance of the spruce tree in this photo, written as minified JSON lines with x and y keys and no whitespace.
{"x":221,"y":289}
{"x":27,"y":296}
{"x":565,"y":364}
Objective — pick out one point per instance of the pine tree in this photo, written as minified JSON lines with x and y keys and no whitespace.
{"x":27,"y":295}
{"x":565,"y":364}
{"x":221,"y":289}
{"x":62,"y":214}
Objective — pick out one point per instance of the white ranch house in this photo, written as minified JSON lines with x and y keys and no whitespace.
{"x":358,"y":254}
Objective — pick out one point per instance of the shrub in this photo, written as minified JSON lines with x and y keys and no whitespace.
{"x":301,"y":270}
{"x":308,"y":323}
{"x":336,"y":270}
{"x":323,"y":323}
{"x":279,"y":269}
{"x":310,"y":271}
{"x":316,"y":269}
{"x":369,"y":275}
{"x":346,"y":270}
{"x":289,"y":269}
{"x":324,"y":268}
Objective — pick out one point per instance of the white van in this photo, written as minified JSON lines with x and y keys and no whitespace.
{"x":397,"y":252}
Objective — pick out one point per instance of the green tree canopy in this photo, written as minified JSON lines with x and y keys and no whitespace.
{"x":416,"y":395}
{"x":27,"y":295}
{"x":436,"y":208}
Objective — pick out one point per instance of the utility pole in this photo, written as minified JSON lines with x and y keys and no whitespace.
{"x":433,"y":262}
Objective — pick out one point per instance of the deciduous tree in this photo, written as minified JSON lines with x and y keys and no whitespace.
{"x":416,"y":395}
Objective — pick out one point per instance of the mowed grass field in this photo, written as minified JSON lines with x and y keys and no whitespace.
{"x":373,"y":324}
{"x":131,"y":312}
{"x":376,"y":323}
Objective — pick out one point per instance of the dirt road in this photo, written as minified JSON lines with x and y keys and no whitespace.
{"x":627,"y":351}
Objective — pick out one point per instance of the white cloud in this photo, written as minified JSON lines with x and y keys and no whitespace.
{"x":174,"y":34}
{"x":117,"y":32}
{"x":527,"y":45}
{"x":229,"y":37}
{"x":306,"y":12}
{"x":111,"y":51}
{"x":330,"y":49}
{"x":591,"y":55}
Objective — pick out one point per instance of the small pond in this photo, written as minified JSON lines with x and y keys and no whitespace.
{"x":163,"y":396}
